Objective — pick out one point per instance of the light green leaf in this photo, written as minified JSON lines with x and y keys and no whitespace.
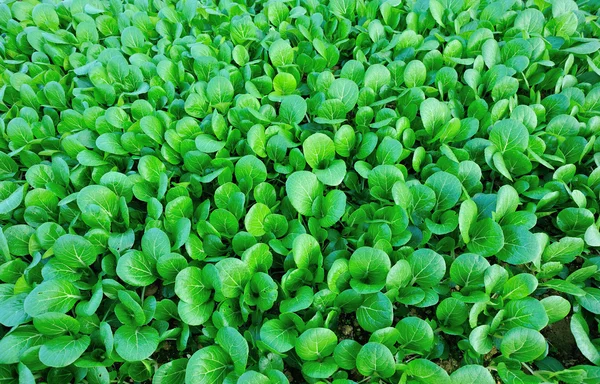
{"x":135,"y":344}
{"x":63,"y":351}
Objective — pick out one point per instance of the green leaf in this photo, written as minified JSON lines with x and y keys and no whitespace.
{"x":13,"y":201}
{"x":25,"y":374}
{"x":74,"y":251}
{"x":171,"y":373}
{"x":319,"y":150}
{"x":527,"y":312}
{"x":428,"y":267}
{"x":447,"y":189}
{"x":368,"y":268}
{"x":472,"y":374}
{"x":377,"y":76}
{"x":255,"y":219}
{"x":292,"y":109}
{"x":137,"y":269}
{"x":580,"y":331}
{"x":574,"y":221}
{"x":590,"y":300}
{"x":220,"y":92}
{"x":63,"y":351}
{"x":467,"y":216}
{"x":427,"y":371}
{"x":415,"y":334}
{"x":303,"y":188}
{"x":14,"y":344}
{"x":110,"y":143}
{"x":152,"y":127}
{"x":45,"y":17}
{"x":557,"y":308}
{"x":346,"y":91}
{"x":452,"y":312}
{"x":250,"y":168}
{"x":376,"y":312}
{"x":54,"y":324}
{"x":487,"y":238}
{"x":136,"y":343}
{"x":520,"y":246}
{"x":434,"y":115}
{"x":520,"y":286}
{"x":191,"y":287}
{"x":254,"y":377}
{"x":382,"y":179}
{"x":306,"y":251}
{"x":468,"y":270}
{"x":320,"y":369}
{"x":592,"y":236}
{"x":346,"y":352}
{"x":12,"y":311}
{"x":565,"y":250}
{"x":208,"y":144}
{"x":585,"y":48}
{"x":523,"y":344}
{"x":508,"y":135}
{"x":316,"y":343}
{"x":278,"y":335}
{"x":100,"y":196}
{"x":333,"y":208}
{"x":51,"y":296}
{"x":235,"y":345}
{"x":233,"y":276}
{"x":151,"y":168}
{"x":195,"y":314}
{"x":375,"y":359}
{"x":480,"y":339}
{"x":281,"y":53}
{"x":208,"y":365}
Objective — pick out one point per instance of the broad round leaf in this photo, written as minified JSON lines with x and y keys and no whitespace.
{"x":137,"y":269}
{"x":368,"y":268}
{"x":472,"y":374}
{"x":414,"y":334}
{"x":427,"y":266}
{"x":319,"y":150}
{"x":62,"y":351}
{"x":135,"y":344}
{"x":316,"y":343}
{"x":74,"y":251}
{"x":51,"y":296}
{"x":376,"y":312}
{"x":191,"y":287}
{"x":277,"y":335}
{"x":208,"y":365}
{"x":375,"y":359}
{"x":487,"y":238}
{"x":303,"y":188}
{"x":523,"y":344}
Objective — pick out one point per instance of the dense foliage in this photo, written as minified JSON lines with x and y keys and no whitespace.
{"x":342,"y":191}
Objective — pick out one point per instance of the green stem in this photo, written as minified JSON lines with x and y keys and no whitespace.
{"x":110,"y":309}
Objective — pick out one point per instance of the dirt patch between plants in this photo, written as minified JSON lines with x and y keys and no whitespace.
{"x":562,"y":343}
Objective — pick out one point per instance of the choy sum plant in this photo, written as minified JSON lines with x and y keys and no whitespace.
{"x":299,"y":191}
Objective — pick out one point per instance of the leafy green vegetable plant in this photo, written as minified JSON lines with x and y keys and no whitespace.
{"x":323,"y":192}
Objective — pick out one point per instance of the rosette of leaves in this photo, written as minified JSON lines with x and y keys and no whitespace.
{"x":327,"y":192}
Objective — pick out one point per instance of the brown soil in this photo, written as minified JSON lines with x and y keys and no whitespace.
{"x":151,"y":290}
{"x":450,"y":364}
{"x":348,"y":328}
{"x":167,"y":353}
{"x":453,"y":360}
{"x":562,"y":343}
